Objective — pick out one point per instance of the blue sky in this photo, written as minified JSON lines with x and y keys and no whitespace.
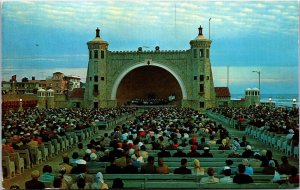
{"x":41,"y":37}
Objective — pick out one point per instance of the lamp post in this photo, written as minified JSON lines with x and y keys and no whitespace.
{"x":270,"y":101}
{"x":258,"y":72}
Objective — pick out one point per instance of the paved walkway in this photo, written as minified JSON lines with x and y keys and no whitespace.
{"x":55,"y":161}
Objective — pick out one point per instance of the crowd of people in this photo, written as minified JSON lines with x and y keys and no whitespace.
{"x":274,"y":119}
{"x":31,"y":127}
{"x":127,"y":146}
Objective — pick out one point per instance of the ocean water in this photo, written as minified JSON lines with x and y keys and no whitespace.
{"x":285,"y":100}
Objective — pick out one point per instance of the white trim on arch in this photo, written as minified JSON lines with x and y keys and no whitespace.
{"x":125,"y":72}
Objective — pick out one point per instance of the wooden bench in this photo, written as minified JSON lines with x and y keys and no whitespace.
{"x":149,"y":180}
{"x":94,"y":170}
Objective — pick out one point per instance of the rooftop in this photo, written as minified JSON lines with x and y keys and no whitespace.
{"x":222,"y":92}
{"x":77,"y":93}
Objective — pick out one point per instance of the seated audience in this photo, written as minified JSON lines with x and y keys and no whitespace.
{"x":179,"y":152}
{"x":270,"y":169}
{"x":80,"y":168}
{"x":47,"y":176}
{"x":193,"y":152}
{"x":197,"y":169}
{"x":249,"y":169}
{"x":67,"y":180}
{"x":241,"y":177}
{"x":130,"y":168}
{"x":206,"y":153}
{"x":163,"y":153}
{"x":34,"y":183}
{"x":294,"y":178}
{"x":117,"y":184}
{"x":57,"y":183}
{"x":229,"y":163}
{"x":248,"y":152}
{"x":113,"y":168}
{"x":81,"y":184}
{"x":162,"y":168}
{"x":227,"y":175}
{"x":99,"y":182}
{"x":285,"y":167}
{"x":149,"y":167}
{"x":183,"y":169}
{"x":211,"y":178}
{"x":244,"y":142}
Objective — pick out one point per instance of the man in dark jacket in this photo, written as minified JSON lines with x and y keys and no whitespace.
{"x":149,"y":168}
{"x":113,"y":168}
{"x":163,"y":153}
{"x":179,"y":152}
{"x":34,"y":183}
{"x":183,"y":169}
{"x":242,"y":178}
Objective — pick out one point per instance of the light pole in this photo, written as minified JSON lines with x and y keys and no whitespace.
{"x":258,"y":72}
{"x":209,"y":28}
{"x":270,"y":101}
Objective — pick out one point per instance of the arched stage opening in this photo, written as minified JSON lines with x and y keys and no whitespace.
{"x":148,"y":82}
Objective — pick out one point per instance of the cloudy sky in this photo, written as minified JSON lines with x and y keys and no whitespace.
{"x":39,"y":38}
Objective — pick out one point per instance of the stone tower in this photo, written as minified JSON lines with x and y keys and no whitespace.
{"x":41,"y":95}
{"x":203,"y":93}
{"x":252,"y":97}
{"x":50,"y":98}
{"x":95,"y":90}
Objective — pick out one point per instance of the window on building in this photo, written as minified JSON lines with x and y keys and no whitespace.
{"x":102,"y":54}
{"x":90,"y":78}
{"x":201,"y":104}
{"x":95,"y":78}
{"x":201,"y":53}
{"x":195,"y":53}
{"x":90,"y":55}
{"x":96,"y":88}
{"x":96,"y":54}
{"x":207,"y":77}
{"x":207,"y":53}
{"x":102,"y":78}
{"x":201,"y":77}
{"x":201,"y":88}
{"x":195,"y":77}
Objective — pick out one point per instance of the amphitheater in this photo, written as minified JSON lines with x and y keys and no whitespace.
{"x":111,"y":129}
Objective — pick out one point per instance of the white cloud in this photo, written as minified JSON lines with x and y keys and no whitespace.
{"x":247,"y":10}
{"x":259,"y":5}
